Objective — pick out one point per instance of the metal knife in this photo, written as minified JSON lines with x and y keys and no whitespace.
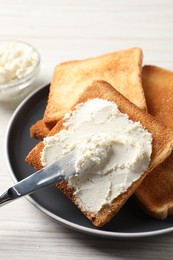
{"x":56,"y":172}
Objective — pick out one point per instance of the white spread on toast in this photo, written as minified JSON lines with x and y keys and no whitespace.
{"x":16,"y":60}
{"x":120,"y":149}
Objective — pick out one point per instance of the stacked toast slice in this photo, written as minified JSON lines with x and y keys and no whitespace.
{"x":118,"y":77}
{"x":122,"y":69}
{"x":156,"y":192}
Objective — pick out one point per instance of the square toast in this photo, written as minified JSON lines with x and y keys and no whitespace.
{"x":122,"y":69}
{"x":155,"y":194}
{"x":161,"y":146}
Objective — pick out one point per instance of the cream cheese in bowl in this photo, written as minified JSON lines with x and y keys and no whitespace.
{"x":19,"y":66}
{"x":119,"y":148}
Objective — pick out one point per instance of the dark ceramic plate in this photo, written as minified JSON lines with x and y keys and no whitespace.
{"x":131,"y":221}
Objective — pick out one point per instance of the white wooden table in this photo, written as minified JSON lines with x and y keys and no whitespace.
{"x":63,"y":30}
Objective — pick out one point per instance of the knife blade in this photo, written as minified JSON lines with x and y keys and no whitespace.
{"x":58,"y":171}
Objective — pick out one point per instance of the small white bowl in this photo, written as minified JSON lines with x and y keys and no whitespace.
{"x":17,"y":89}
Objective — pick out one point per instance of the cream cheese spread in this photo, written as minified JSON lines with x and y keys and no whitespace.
{"x":16,"y":61}
{"x":118,"y":148}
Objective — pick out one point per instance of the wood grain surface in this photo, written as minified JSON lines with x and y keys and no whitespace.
{"x":63,"y":30}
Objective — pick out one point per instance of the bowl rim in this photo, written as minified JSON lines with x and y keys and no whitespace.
{"x":28,"y":76}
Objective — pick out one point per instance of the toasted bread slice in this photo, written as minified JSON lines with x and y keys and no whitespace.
{"x":39,"y":130}
{"x":155,"y":194}
{"x":161,"y":147}
{"x":122,"y":69}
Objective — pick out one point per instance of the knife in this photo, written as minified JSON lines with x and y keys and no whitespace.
{"x":61,"y":170}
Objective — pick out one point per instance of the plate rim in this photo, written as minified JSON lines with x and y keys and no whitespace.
{"x":60,"y":220}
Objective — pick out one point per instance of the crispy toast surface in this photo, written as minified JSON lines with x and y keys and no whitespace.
{"x":122,"y":69}
{"x":39,"y":130}
{"x":161,"y":146}
{"x":155,"y":194}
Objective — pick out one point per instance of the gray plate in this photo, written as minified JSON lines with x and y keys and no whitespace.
{"x":131,"y":221}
